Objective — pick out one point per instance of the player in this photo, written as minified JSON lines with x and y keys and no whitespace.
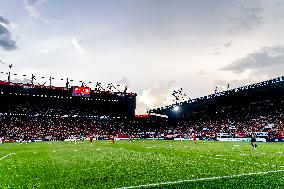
{"x":75,"y":139}
{"x":194,"y":137}
{"x":253,"y":141}
{"x":130,"y":138}
{"x":91,"y":139}
{"x":112,"y":138}
{"x":181,"y":138}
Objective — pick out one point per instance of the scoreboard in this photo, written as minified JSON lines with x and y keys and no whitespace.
{"x":81,"y":91}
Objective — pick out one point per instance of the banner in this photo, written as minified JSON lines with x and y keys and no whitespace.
{"x":223,"y":134}
{"x":261,"y":134}
{"x":81,"y":91}
{"x":240,"y":139}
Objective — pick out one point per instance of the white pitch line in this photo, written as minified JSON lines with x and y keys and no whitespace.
{"x":6,"y":156}
{"x":201,"y":179}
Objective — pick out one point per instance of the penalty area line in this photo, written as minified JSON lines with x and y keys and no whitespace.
{"x":201,"y":179}
{"x":6,"y":156}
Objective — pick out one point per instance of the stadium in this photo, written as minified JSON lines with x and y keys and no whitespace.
{"x":46,"y":133}
{"x":120,"y":94}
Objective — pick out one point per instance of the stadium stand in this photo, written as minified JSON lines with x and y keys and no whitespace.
{"x":233,"y":113}
{"x":32,"y":112}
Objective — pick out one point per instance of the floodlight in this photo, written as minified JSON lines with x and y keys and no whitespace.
{"x":176,"y":108}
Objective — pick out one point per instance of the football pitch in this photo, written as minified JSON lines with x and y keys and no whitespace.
{"x":141,"y":164}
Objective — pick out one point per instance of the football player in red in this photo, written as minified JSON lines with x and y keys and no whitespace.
{"x":194,"y":137}
{"x":91,"y":138}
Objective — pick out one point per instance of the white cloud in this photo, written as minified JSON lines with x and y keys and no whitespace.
{"x":13,"y":26}
{"x":77,"y":46}
{"x":218,"y":48}
{"x":122,"y":84}
{"x":228,"y":44}
{"x":32,"y":7}
{"x":156,"y":96}
{"x":1,"y":62}
{"x":44,"y":51}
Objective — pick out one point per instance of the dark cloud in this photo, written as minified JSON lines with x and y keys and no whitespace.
{"x":4,"y":20}
{"x":248,"y":19}
{"x":264,"y":57}
{"x":5,"y":36}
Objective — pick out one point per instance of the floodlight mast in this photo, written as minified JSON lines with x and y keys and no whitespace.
{"x":67,"y":83}
{"x":99,"y":87}
{"x":110,"y":87}
{"x":32,"y":79}
{"x":83,"y":84}
{"x":179,"y":95}
{"x":125,"y":89}
{"x":9,"y":73}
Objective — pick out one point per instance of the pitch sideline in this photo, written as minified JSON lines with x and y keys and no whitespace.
{"x":201,"y":179}
{"x":6,"y":156}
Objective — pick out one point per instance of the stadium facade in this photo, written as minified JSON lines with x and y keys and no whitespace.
{"x":257,"y":108}
{"x":27,"y":99}
{"x":229,"y":102}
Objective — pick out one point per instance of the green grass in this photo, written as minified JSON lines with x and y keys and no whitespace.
{"x":107,"y":165}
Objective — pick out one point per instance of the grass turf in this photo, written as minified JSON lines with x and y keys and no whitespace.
{"x":107,"y":165}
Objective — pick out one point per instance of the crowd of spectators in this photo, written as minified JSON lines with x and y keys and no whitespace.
{"x":266,"y":118}
{"x":47,"y":126}
{"x":25,"y":118}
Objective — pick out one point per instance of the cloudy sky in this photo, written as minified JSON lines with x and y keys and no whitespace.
{"x":153,"y":46}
